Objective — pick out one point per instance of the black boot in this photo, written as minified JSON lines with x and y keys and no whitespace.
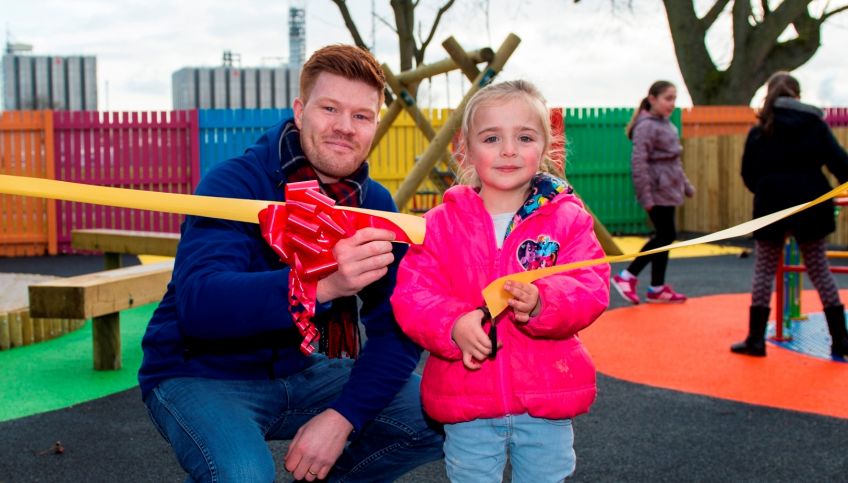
{"x":755,"y":343}
{"x":836,"y":324}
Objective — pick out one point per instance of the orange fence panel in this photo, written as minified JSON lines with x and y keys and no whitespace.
{"x":26,"y":149}
{"x":700,"y":121}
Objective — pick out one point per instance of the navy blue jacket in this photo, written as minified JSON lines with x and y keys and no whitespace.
{"x":228,"y":284}
{"x":785,"y":169}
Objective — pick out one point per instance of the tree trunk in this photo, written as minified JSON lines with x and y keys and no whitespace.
{"x":757,"y":54}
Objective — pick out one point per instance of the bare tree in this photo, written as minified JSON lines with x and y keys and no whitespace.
{"x":411,"y":44}
{"x":759,"y":48}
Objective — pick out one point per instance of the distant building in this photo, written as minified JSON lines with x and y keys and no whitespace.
{"x":297,"y":36}
{"x":229,"y":87}
{"x":234,"y":87}
{"x":32,"y":82}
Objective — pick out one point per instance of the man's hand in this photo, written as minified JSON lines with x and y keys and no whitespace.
{"x":317,"y":445}
{"x":472,"y":340}
{"x":363,"y":259}
{"x":525,"y":301}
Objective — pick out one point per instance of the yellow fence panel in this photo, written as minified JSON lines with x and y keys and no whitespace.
{"x":398,"y":151}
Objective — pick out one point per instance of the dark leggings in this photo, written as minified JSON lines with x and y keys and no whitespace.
{"x":664,"y":233}
{"x":817,"y":267}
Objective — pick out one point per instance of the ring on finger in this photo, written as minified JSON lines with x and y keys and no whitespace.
{"x":312,"y":473}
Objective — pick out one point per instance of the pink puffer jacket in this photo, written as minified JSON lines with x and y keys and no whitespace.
{"x":542,"y":368}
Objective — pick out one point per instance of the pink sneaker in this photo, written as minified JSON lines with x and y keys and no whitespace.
{"x":626,"y":288}
{"x":666,"y":295}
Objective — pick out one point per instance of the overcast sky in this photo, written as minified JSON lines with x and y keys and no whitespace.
{"x":580,"y":55}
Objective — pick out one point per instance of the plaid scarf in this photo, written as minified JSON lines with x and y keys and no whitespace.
{"x":339,"y":326}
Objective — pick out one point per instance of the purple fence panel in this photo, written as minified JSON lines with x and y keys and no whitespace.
{"x":144,"y":151}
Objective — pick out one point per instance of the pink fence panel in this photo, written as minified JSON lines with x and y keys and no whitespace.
{"x":836,"y":116}
{"x":152,"y":151}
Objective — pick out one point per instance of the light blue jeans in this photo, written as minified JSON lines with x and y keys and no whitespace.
{"x":540,"y":450}
{"x":218,"y":428}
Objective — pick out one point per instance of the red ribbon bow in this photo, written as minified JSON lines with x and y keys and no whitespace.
{"x":303,"y":233}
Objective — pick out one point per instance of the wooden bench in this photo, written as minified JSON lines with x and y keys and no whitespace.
{"x":101,"y":296}
{"x":114,"y":243}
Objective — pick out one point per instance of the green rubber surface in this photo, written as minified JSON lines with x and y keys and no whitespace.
{"x":59,"y":373}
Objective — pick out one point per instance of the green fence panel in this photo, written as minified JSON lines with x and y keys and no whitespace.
{"x":598,"y":166}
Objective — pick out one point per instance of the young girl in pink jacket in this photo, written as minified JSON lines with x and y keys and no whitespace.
{"x":516,"y":397}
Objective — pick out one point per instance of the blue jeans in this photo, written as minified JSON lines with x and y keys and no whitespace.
{"x":540,"y":450}
{"x":219,"y":428}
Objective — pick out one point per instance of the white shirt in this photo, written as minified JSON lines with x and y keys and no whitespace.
{"x":501,"y":222}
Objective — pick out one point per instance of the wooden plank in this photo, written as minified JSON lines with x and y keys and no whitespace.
{"x":16,"y":337}
{"x":126,"y":241}
{"x":101,"y":293}
{"x":28,"y":331}
{"x":5,"y":338}
{"x":38,"y":333}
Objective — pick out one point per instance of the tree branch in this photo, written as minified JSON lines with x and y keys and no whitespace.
{"x":780,"y":18}
{"x":710,"y":17}
{"x":386,"y":23}
{"x":833,"y":12}
{"x":349,"y":23}
{"x":424,"y":43}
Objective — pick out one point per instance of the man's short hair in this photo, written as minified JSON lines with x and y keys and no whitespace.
{"x":347,"y":61}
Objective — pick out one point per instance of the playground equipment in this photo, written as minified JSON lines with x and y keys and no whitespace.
{"x":437,"y":163}
{"x":401,"y":86}
{"x":789,"y":283}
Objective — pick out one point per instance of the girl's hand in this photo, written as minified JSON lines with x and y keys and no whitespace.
{"x":472,"y":340}
{"x":525,"y":302}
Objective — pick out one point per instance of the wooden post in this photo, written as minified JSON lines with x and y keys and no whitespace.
{"x":466,"y":64}
{"x":386,"y":122}
{"x":431,"y":155}
{"x":408,"y":103}
{"x":443,"y":66}
{"x":50,"y":173}
{"x":106,"y":336}
{"x":112,"y":260}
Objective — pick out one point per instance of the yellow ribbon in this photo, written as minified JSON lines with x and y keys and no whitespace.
{"x":209,"y":206}
{"x":247,"y":211}
{"x":496,"y":297}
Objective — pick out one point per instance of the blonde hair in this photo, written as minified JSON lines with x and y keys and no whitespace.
{"x":552,"y":159}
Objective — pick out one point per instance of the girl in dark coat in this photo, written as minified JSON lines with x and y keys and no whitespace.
{"x":782,"y":166}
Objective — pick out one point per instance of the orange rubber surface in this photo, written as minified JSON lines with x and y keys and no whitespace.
{"x":686,"y":347}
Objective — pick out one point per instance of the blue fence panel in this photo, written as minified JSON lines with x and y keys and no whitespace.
{"x":226,"y":133}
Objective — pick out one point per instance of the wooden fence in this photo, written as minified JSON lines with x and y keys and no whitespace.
{"x":226,"y":133}
{"x":714,"y":164}
{"x":26,"y":149}
{"x":153,"y":151}
{"x":168,"y":151}
{"x":716,"y":120}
